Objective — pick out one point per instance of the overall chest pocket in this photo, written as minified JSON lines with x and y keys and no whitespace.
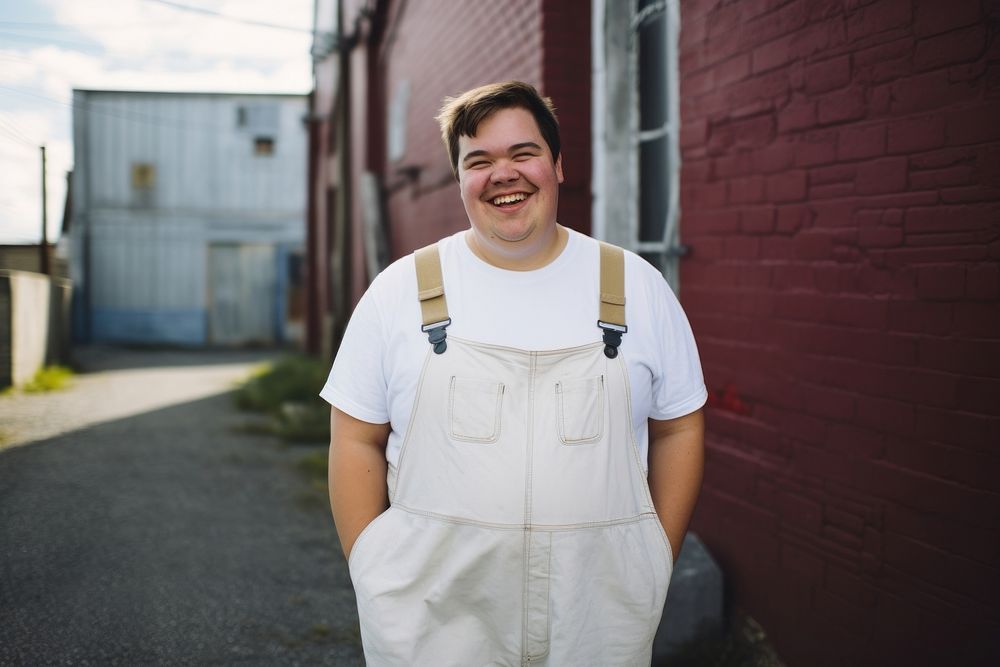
{"x":474,"y":409}
{"x":580,"y":410}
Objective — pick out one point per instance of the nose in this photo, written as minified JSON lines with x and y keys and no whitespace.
{"x":504,"y":172}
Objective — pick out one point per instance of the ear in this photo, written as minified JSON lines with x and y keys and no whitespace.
{"x":559,"y":171}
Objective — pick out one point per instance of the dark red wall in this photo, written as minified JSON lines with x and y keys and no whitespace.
{"x":841,"y":163}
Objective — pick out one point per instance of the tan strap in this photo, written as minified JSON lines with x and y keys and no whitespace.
{"x":612,"y":284}
{"x":430,"y":285}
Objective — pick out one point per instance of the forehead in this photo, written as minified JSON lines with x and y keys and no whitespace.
{"x":502,"y":128}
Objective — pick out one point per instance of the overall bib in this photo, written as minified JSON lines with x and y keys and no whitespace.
{"x":520,"y":529}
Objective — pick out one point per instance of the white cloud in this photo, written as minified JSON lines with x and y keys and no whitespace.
{"x":131,"y":45}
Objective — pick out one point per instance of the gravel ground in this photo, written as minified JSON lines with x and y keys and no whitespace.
{"x":142,"y":523}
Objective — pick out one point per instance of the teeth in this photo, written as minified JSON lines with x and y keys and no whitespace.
{"x":509,"y":199}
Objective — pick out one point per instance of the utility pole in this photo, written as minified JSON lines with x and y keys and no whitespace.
{"x":44,"y":248}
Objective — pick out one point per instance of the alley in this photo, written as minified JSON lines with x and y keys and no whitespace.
{"x":143,"y":521}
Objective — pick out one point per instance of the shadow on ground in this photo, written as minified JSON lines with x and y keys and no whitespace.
{"x":169,"y":537}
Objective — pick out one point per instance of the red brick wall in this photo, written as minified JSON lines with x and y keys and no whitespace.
{"x":840,"y":194}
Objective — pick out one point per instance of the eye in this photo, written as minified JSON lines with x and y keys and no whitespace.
{"x":478,"y":164}
{"x":521,"y":157}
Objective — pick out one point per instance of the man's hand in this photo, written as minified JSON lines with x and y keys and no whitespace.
{"x":357,"y":470}
{"x":676,"y":464}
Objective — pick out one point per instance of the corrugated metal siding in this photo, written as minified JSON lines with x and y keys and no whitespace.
{"x":149,"y":246}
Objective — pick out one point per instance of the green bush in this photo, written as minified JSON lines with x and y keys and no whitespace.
{"x":50,"y":378}
{"x":290,"y":380}
{"x":288,"y":390}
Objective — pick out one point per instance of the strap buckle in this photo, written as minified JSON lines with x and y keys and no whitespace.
{"x":612,"y":337}
{"x":437,"y":335}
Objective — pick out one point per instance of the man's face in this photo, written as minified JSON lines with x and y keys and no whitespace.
{"x":509,"y":182}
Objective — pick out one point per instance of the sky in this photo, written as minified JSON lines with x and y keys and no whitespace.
{"x":50,"y":47}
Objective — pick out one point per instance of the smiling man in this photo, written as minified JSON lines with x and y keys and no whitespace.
{"x":517,"y":437}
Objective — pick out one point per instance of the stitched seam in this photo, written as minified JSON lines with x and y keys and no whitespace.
{"x":413,"y":419}
{"x":548,"y":528}
{"x":494,"y":436}
{"x":600,"y":416}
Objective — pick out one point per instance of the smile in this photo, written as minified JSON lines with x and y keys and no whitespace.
{"x":509,"y":199}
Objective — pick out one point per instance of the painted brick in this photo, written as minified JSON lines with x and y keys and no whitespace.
{"x":933,"y":528}
{"x":974,"y":125}
{"x":951,"y":218}
{"x":798,"y":562}
{"x":786,"y":186}
{"x":798,"y":115}
{"x":834,"y":214}
{"x":930,"y":494}
{"x":979,"y":394}
{"x":732,"y":70}
{"x":842,"y":106}
{"x":959,"y":464}
{"x":813,"y":245}
{"x":982,"y":282}
{"x":757,"y":220}
{"x":957,"y":46}
{"x":792,"y":218}
{"x":741,"y":247}
{"x":880,"y":237}
{"x":815,"y":148}
{"x":970,"y":194}
{"x":934,"y":179}
{"x":828,"y":75}
{"x":825,"y":402}
{"x":930,"y":90}
{"x":944,"y":282}
{"x":760,"y":29}
{"x":712,"y":222}
{"x":916,"y":134}
{"x":881,"y":176}
{"x":831,"y":191}
{"x":878,"y":17}
{"x":933,"y":17}
{"x":746,"y":190}
{"x":886,"y":415}
{"x":858,"y":142}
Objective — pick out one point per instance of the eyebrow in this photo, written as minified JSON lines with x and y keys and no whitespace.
{"x":511,"y":149}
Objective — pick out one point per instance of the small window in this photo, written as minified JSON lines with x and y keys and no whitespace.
{"x":143,"y":176}
{"x":263,"y":146}
{"x":241,"y":116}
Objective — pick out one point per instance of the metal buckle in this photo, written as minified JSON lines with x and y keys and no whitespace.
{"x":437,"y":335}
{"x":612,"y":337}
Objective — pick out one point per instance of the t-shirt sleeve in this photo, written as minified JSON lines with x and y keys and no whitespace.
{"x":356,"y":384}
{"x":679,"y":386}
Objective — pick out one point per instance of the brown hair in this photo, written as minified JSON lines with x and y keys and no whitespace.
{"x":461,"y":115}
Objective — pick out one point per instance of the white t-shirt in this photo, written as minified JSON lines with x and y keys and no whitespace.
{"x":375,"y":375}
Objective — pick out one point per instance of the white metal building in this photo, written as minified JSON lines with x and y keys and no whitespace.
{"x":188,"y":217}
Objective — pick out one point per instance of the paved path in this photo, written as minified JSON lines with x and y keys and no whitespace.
{"x":141,"y":524}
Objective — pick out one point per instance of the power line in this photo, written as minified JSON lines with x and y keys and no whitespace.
{"x":14,"y":131}
{"x":227,"y":17}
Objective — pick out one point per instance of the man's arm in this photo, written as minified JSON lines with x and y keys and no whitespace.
{"x":357,"y":470}
{"x":676,"y":463}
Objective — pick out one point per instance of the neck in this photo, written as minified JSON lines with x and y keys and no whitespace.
{"x":539,"y":254}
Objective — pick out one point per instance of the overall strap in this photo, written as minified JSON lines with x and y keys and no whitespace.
{"x":612,"y":313}
{"x":430,"y":292}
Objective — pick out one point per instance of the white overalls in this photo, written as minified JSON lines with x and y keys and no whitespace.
{"x":521,"y":529}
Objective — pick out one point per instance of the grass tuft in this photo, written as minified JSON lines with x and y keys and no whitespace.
{"x":288,"y":391}
{"x":49,"y":378}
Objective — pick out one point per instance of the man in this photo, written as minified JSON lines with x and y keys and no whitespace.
{"x":498,"y":393}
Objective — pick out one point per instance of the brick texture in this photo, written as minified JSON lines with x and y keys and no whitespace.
{"x":840,"y":191}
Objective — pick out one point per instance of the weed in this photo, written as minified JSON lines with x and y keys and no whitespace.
{"x":288,"y":391}
{"x":49,"y":378}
